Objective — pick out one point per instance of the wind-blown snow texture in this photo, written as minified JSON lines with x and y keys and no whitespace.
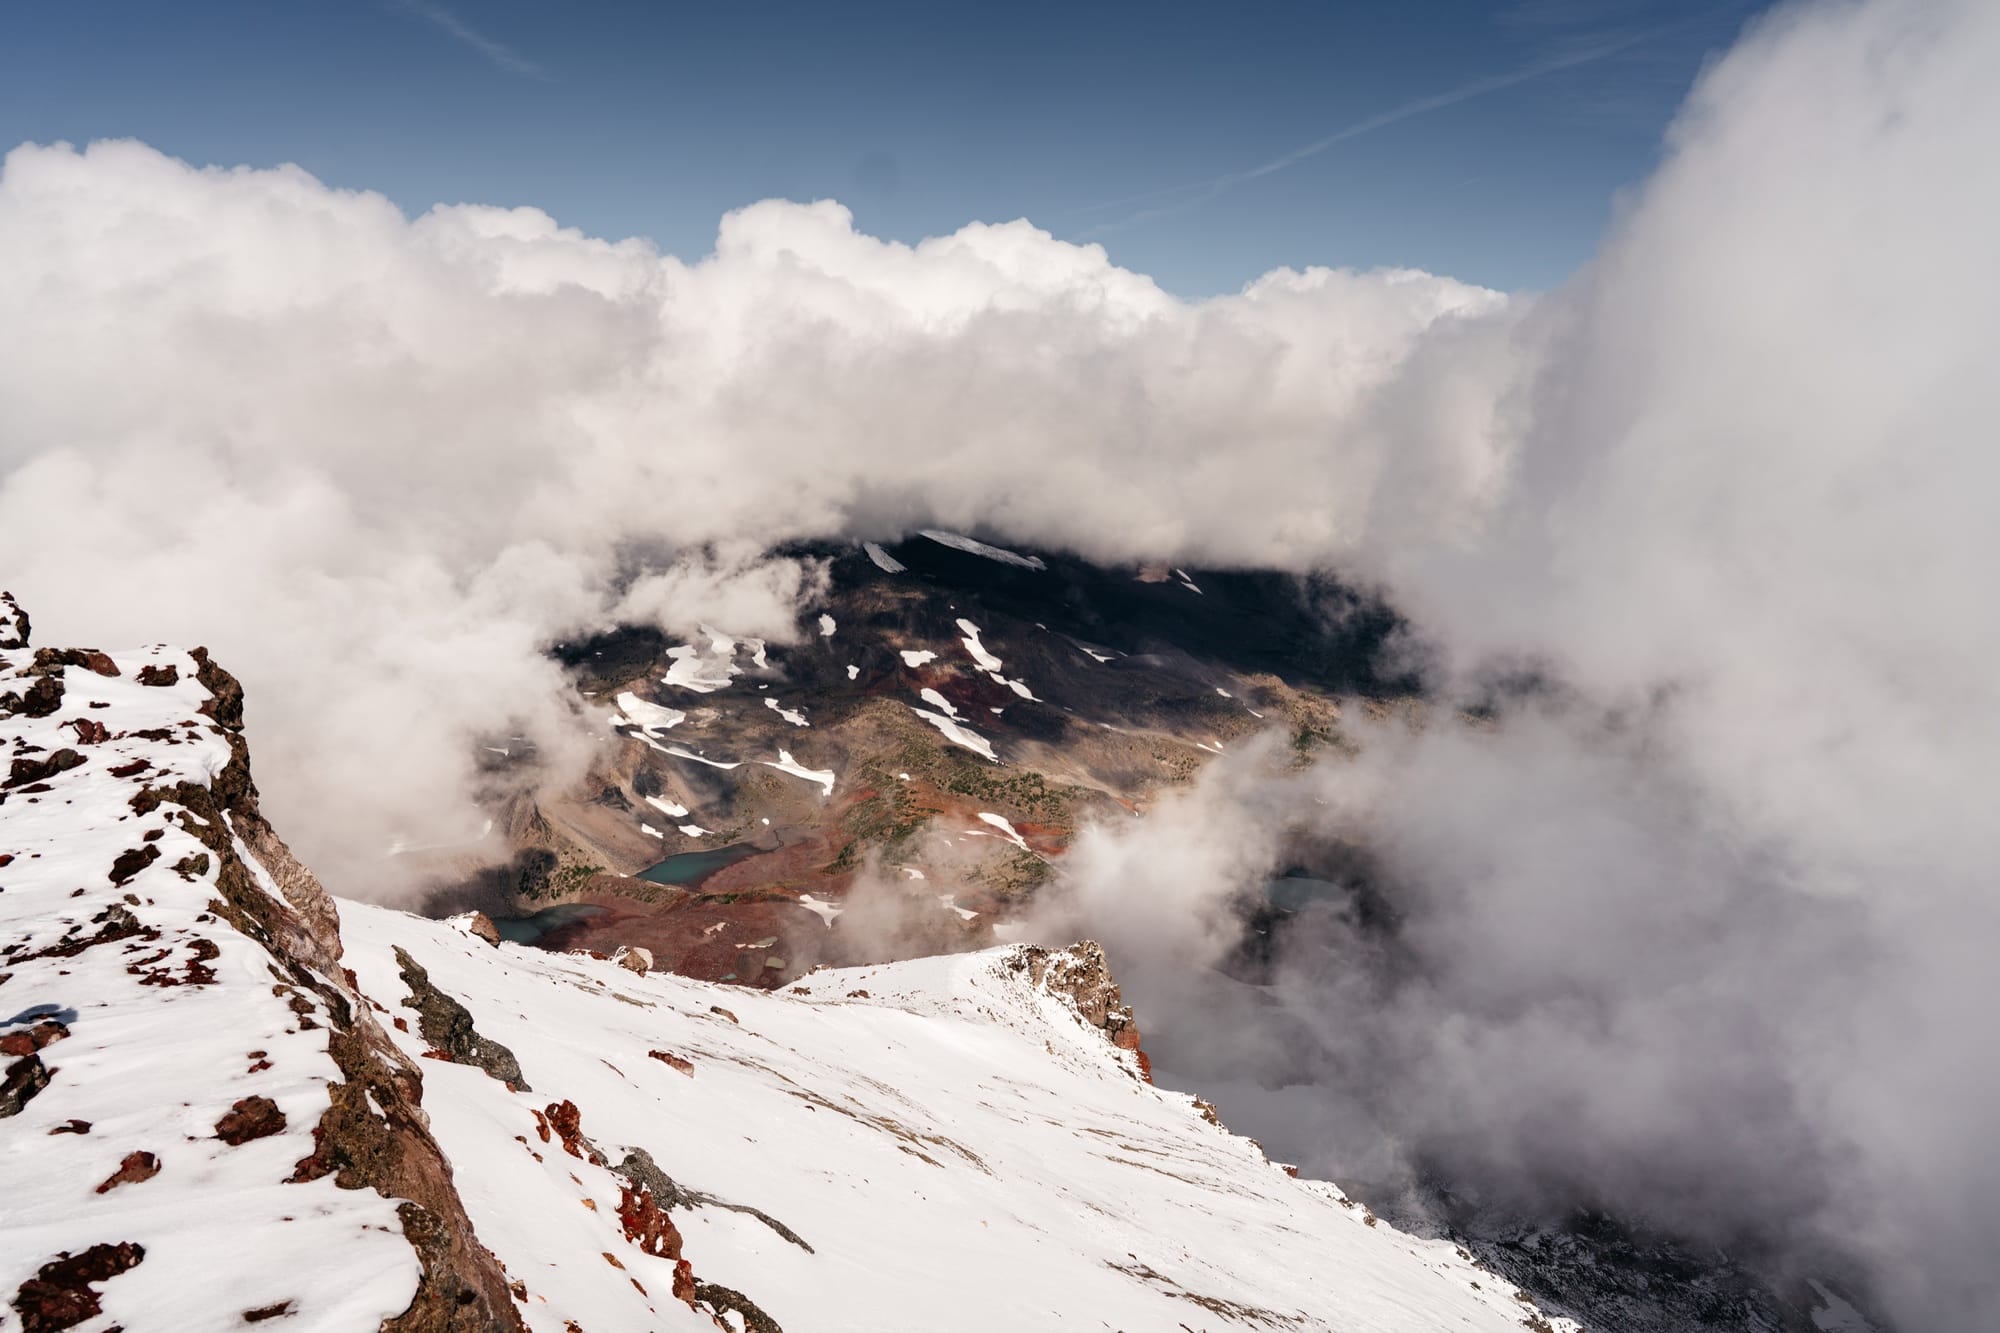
{"x":959,"y":1150}
{"x":934,"y":1144}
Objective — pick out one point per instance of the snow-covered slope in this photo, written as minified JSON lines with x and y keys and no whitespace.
{"x":440,"y":1132}
{"x":196,"y":1118}
{"x":938,"y":1144}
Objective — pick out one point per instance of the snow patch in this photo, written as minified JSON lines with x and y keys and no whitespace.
{"x":826,"y":626}
{"x":644,"y":715}
{"x":678,"y":753}
{"x":958,"y":734}
{"x":988,"y":663}
{"x":795,"y":718}
{"x":885,"y":562}
{"x":1007,"y":829}
{"x":703,"y":668}
{"x":917,"y":657}
{"x":825,"y":911}
{"x":786,"y":764}
{"x":959,"y":542}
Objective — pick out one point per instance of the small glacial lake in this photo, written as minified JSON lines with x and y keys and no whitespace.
{"x":691,"y":868}
{"x":528,"y":929}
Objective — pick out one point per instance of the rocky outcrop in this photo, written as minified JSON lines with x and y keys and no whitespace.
{"x":62,"y":1294}
{"x":388,"y":1149}
{"x":373,"y":1133}
{"x":447,"y":1026}
{"x":13,"y":623}
{"x":1082,"y":975}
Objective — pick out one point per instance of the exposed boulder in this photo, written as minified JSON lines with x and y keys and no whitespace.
{"x":447,"y":1026}
{"x":250,"y":1118}
{"x":61,"y":1294}
{"x":1082,"y":974}
{"x":136,"y":1166}
{"x":13,"y":623}
{"x":51,"y":661}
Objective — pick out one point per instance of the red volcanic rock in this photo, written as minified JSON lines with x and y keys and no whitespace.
{"x":89,"y":731}
{"x":60,"y":1296}
{"x":90,"y":659}
{"x":567,"y":1122}
{"x":194,"y":972}
{"x":133,"y":769}
{"x":23,"y":771}
{"x":160,"y":675}
{"x":482,"y":926}
{"x":647,"y":1225}
{"x":136,"y":1167}
{"x":250,"y":1118}
{"x":29,"y":1040}
{"x":131,"y":861}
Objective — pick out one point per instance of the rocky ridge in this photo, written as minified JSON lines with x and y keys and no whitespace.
{"x":229,"y":1099}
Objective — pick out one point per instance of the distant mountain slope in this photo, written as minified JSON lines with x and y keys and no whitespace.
{"x":217,"y":1112}
{"x":951,"y":715}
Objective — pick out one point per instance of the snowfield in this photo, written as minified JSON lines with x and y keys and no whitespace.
{"x":956,"y":732}
{"x":959,"y":542}
{"x":927,"y":1128}
{"x":220,"y":1091}
{"x":647,"y":716}
{"x":885,"y":562}
{"x":784,"y":763}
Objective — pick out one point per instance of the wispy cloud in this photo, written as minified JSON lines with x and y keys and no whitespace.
{"x":502,"y":55}
{"x":1196,"y":193}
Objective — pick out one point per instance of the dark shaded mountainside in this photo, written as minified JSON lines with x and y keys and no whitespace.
{"x":906,"y":773}
{"x":229,"y":1100}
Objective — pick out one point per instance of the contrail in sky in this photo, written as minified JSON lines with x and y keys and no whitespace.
{"x":1200,"y":192}
{"x":501,"y":55}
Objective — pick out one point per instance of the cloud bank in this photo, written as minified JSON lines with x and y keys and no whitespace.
{"x":1704,"y":934}
{"x":378,"y":464}
{"x":1711,"y":938}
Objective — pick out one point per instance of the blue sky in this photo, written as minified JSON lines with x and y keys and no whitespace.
{"x":1478,"y":138}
